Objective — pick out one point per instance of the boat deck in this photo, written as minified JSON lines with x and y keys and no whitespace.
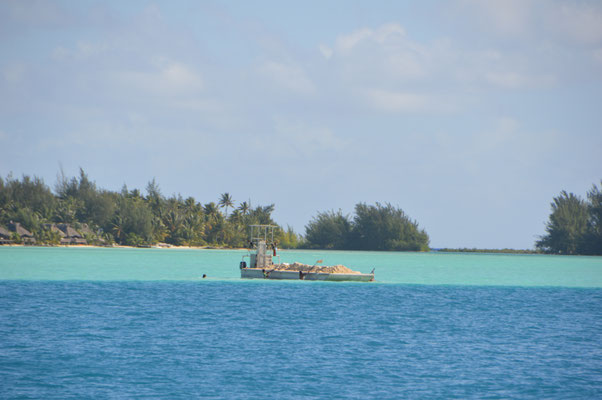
{"x":258,"y":273}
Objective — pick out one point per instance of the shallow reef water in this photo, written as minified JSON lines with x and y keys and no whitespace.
{"x":80,"y":334}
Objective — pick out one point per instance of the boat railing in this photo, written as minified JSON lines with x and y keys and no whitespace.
{"x":248,"y":255}
{"x":262,"y":233}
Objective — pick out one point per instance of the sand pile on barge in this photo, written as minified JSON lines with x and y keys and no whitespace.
{"x":335,"y":269}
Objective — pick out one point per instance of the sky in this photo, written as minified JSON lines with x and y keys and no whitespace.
{"x":469,"y":115}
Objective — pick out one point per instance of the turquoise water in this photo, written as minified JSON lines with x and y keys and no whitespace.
{"x":140,"y":323}
{"x":39,"y":263}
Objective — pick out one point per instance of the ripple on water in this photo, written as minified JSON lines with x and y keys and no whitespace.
{"x":277,"y":340}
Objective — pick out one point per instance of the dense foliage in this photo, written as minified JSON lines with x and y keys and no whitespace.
{"x":575,"y":225}
{"x":129,"y":217}
{"x":374,"y":227}
{"x":328,"y":230}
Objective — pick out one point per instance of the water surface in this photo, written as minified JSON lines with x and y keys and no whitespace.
{"x":140,"y":323}
{"x":43,"y":263}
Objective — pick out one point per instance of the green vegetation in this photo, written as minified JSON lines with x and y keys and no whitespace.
{"x":374,"y":227}
{"x":129,"y":217}
{"x":575,"y":225}
{"x":328,"y":230}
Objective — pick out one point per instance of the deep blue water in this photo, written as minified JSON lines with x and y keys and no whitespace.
{"x":291,"y":340}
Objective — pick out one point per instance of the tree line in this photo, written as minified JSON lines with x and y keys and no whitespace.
{"x":574,"y":225}
{"x":373,"y":227}
{"x":129,"y":217}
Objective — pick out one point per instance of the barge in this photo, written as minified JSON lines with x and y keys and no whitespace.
{"x":259,"y":263}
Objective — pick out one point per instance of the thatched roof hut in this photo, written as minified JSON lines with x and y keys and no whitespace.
{"x":24,"y":233}
{"x":85,"y":229}
{"x":4,"y":233}
{"x":71,"y":236}
{"x":16,"y":227}
{"x":5,"y":236}
{"x":69,"y":231}
{"x":54,"y":228}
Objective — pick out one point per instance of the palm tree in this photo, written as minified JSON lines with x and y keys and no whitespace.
{"x":190,"y":205}
{"x":244,"y":208}
{"x":214,"y":223}
{"x":211,"y":213}
{"x":262,"y":214}
{"x":236,"y":216}
{"x":210,"y":209}
{"x":118,"y":228}
{"x":226,"y":201}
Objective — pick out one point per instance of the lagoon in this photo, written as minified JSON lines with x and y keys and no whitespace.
{"x":134,"y":264}
{"x":140,"y":323}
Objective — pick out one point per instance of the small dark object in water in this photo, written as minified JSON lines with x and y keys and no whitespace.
{"x":204,"y":276}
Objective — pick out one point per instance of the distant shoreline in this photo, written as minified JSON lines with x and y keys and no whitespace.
{"x":175,"y":247}
{"x":494,"y":251}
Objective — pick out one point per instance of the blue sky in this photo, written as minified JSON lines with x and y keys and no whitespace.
{"x":468,"y":115}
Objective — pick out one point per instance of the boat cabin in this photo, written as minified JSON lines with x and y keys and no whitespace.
{"x":262,"y":240}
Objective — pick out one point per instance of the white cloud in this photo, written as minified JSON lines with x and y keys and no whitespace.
{"x":388,"y":31}
{"x":172,"y":78}
{"x":507,"y":79}
{"x":509,"y":17}
{"x":325,"y":50}
{"x":580,"y":22}
{"x":512,"y":70}
{"x":385,"y":34}
{"x":346,"y":43}
{"x":295,"y":138}
{"x":386,"y":69}
{"x":384,"y":55}
{"x":88,"y":49}
{"x":81,"y":51}
{"x":396,"y":101}
{"x":288,"y":76}
{"x":179,"y":75}
{"x":517,"y":80}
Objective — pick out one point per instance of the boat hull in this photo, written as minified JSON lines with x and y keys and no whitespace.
{"x":257,"y":273}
